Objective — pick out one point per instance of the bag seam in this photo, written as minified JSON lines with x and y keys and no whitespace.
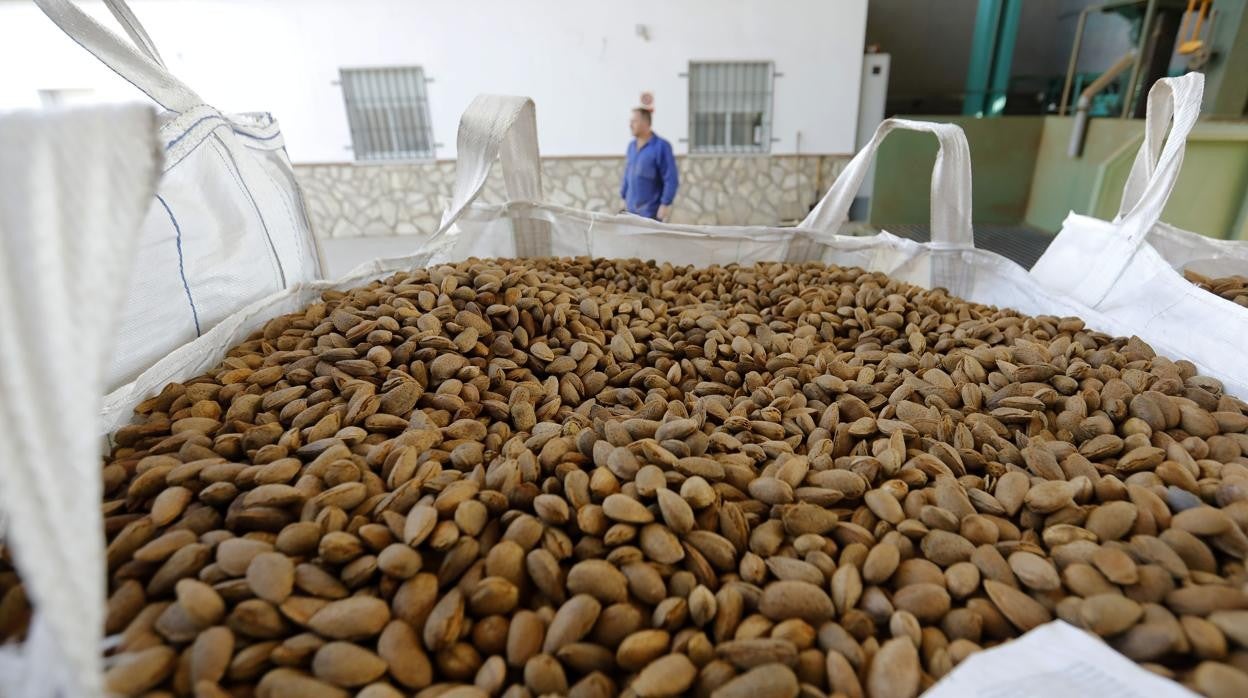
{"x":232,"y":166}
{"x":290,"y":216}
{"x":177,"y":230}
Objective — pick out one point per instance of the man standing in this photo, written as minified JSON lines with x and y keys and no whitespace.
{"x":650,"y":178}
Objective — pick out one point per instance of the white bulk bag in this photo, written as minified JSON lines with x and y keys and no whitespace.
{"x":1127,"y":269}
{"x":1181,"y":249}
{"x":1054,"y":660}
{"x":227,"y":226}
{"x":76,"y":186}
{"x":526,"y":226}
{"x":505,"y":129}
{"x":505,"y":126}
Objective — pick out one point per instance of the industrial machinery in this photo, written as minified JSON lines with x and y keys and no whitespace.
{"x":1168,"y":37}
{"x":1046,"y":144}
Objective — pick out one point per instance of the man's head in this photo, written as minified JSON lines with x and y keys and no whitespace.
{"x":639,"y":124}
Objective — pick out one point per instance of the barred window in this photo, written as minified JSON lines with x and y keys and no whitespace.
{"x":730,"y":107}
{"x":388,"y":113}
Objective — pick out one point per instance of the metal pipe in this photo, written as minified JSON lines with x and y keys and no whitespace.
{"x":1003,"y":55}
{"x":1079,"y":129}
{"x":1128,"y":97}
{"x":1074,"y":52}
{"x":1200,"y":19}
{"x":1074,"y":60}
{"x":983,"y":48}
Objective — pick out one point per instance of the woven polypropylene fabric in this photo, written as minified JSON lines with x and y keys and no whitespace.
{"x":228,"y":227}
{"x":1127,"y":269}
{"x":76,"y":186}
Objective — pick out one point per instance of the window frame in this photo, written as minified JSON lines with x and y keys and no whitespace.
{"x":387,"y":106}
{"x":726,"y":147}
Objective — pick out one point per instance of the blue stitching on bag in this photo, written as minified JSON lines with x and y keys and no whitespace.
{"x":224,"y":122}
{"x":187,"y":131}
{"x":191,"y":150}
{"x":181,"y":267}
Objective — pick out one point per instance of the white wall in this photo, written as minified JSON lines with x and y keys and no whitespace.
{"x":581,"y":60}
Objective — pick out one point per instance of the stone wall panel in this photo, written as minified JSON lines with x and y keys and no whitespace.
{"x":376,"y":200}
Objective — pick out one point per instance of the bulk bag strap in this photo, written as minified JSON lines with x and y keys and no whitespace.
{"x":139,"y":63}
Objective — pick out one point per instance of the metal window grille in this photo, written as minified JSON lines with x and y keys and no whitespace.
{"x":388,"y":113}
{"x":730,"y":107}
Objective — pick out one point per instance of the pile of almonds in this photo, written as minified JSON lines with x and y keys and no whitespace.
{"x":596,"y":477}
{"x":1233,"y":288}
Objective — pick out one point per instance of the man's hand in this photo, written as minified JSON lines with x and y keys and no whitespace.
{"x":663,"y":213}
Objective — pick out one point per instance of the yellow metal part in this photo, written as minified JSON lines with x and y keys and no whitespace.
{"x":1195,"y":43}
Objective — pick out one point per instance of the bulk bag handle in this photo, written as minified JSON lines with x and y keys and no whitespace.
{"x":1174,"y":102}
{"x":951,"y":185}
{"x":495,"y":126}
{"x":139,"y":63}
{"x":951,"y":232}
{"x":1175,"y":99}
{"x":128,"y":21}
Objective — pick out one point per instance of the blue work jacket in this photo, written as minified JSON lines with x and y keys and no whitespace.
{"x":650,"y":178}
